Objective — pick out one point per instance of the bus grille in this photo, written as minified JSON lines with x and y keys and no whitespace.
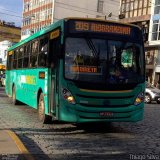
{"x":105,"y":102}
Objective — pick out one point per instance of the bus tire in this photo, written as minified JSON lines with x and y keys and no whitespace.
{"x":14,"y":100}
{"x":45,"y":119}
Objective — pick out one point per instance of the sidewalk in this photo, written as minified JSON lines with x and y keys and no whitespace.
{"x":11,"y":147}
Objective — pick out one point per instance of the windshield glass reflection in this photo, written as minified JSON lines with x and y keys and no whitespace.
{"x":103,"y":61}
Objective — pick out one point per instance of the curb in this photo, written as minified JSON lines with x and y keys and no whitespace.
{"x":23,"y":150}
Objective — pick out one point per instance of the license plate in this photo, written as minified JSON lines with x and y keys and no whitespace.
{"x":106,"y":114}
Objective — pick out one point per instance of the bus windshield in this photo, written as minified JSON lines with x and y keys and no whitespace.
{"x":103,"y":61}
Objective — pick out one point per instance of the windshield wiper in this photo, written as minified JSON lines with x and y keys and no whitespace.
{"x":92,"y":47}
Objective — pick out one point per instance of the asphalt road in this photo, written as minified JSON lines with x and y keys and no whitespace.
{"x":63,"y":141}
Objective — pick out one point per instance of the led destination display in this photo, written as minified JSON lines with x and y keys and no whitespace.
{"x":79,"y":26}
{"x":98,"y":27}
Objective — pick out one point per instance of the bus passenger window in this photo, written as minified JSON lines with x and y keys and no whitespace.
{"x":43,"y":54}
{"x":10,"y":62}
{"x":26,"y":56}
{"x":15,"y":60}
{"x":20,"y":57}
{"x":53,"y":53}
{"x":42,"y":59}
{"x":34,"y":54}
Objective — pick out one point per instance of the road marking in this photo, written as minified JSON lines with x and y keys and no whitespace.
{"x":20,"y":145}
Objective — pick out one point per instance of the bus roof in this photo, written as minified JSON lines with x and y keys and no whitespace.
{"x":60,"y":23}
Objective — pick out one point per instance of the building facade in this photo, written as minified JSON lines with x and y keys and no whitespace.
{"x":36,"y":15}
{"x":39,"y":13}
{"x":137,"y":12}
{"x":140,"y":12}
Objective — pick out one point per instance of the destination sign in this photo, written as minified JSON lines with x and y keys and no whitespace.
{"x":101,"y":27}
{"x":84,"y":69}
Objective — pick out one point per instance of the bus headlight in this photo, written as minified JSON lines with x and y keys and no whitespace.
{"x":68,"y":96}
{"x":139,"y":99}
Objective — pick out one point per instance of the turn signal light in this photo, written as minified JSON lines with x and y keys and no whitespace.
{"x":139,"y":99}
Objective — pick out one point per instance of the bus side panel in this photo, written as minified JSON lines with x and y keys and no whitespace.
{"x":33,"y":84}
{"x":27,"y":83}
{"x":30,"y":78}
{"x":11,"y":81}
{"x":20,"y":85}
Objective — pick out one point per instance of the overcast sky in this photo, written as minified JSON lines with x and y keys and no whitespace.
{"x":11,"y":11}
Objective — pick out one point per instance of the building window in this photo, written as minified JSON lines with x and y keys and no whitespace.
{"x":134,"y":8}
{"x":157,"y":7}
{"x":26,"y":7}
{"x":157,"y":10}
{"x":100,"y":6}
{"x":140,"y":4}
{"x":155,"y":30}
{"x":145,"y":3}
{"x":157,"y":2}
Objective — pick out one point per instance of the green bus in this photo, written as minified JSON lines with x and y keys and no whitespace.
{"x":80,"y":70}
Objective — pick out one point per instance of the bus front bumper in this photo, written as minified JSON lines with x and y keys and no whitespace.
{"x":79,"y":114}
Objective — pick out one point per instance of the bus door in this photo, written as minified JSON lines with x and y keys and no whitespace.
{"x":54,"y":68}
{"x":54,"y":54}
{"x":53,"y":89}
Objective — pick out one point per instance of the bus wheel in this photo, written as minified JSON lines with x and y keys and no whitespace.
{"x":45,"y":119}
{"x":14,"y":100}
